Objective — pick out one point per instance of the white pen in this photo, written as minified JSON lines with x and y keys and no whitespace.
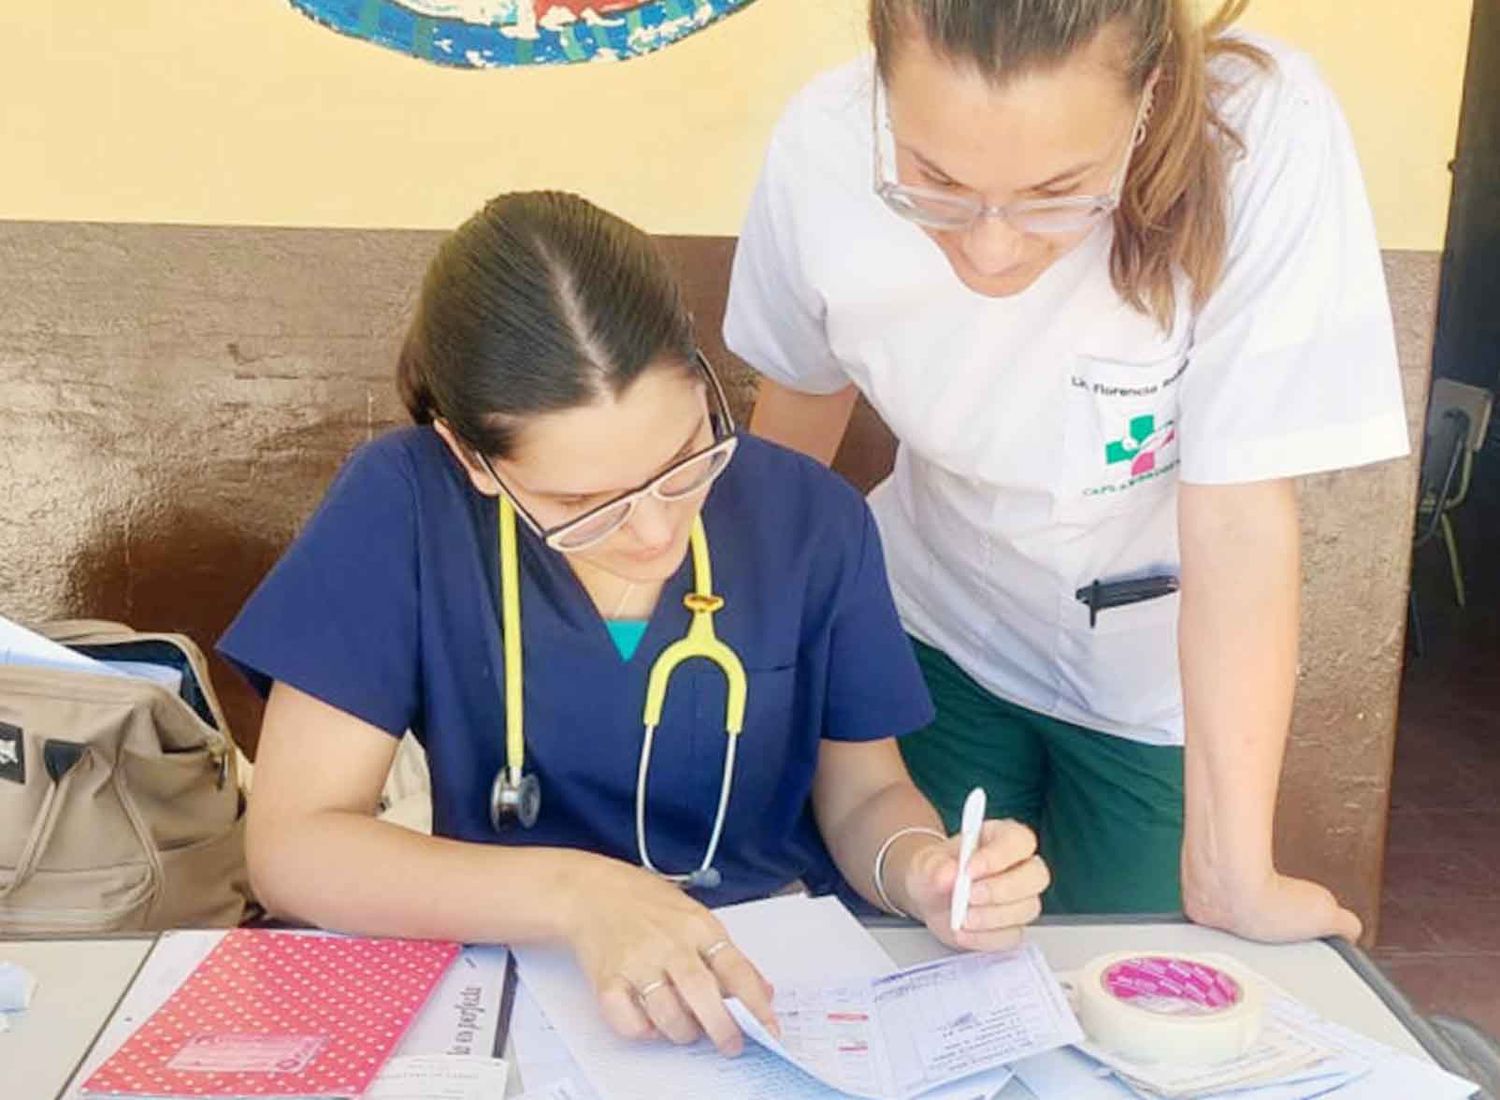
{"x":973,"y":821}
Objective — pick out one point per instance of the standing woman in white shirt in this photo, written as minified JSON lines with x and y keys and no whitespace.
{"x":1111,"y":277}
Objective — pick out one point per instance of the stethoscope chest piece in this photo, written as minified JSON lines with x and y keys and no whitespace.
{"x":519,"y":801}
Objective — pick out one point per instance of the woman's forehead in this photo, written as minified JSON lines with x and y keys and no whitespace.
{"x":612,"y":444}
{"x":1008,"y":137}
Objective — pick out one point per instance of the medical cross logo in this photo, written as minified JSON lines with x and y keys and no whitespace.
{"x":1140,"y":444}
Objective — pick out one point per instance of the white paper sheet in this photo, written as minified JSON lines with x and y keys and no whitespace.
{"x":828,"y":944}
{"x":1355,"y":1068}
{"x":1069,"y":1075}
{"x":544,"y":1062}
{"x":463,"y":1013}
{"x":793,"y":940}
{"x":1281,"y":1052}
{"x":907,"y":1033}
{"x":19,"y":646}
{"x":541,"y":1057}
{"x":566,"y":1089}
{"x":439,"y":1077}
{"x":1393,"y":1076}
{"x":1072,"y":1075}
{"x":165,"y":675}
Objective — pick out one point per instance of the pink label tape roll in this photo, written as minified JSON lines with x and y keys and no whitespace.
{"x":1174,"y":1009}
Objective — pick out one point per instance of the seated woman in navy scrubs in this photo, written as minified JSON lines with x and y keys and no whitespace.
{"x":551,"y":365}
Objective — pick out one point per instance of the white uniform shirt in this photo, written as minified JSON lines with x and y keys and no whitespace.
{"x":1043,"y":435}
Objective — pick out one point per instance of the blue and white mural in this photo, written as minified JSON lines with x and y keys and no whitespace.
{"x":494,"y":33}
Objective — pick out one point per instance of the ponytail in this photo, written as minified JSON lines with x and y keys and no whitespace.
{"x":1174,"y":212}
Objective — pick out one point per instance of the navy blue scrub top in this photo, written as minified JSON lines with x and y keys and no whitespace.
{"x":386,"y":607}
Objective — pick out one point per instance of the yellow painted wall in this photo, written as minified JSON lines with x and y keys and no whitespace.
{"x":1398,"y":67}
{"x":245,"y":112}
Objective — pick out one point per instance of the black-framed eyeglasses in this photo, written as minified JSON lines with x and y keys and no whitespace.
{"x":689,"y":477}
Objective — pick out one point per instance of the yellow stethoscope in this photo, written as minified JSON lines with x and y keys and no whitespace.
{"x":517,"y":796}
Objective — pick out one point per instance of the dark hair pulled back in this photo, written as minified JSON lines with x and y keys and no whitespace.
{"x":538,"y":303}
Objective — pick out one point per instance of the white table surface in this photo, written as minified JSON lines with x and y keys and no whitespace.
{"x":81,"y":981}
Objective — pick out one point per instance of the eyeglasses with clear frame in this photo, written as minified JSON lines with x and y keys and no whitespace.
{"x":687,"y":478}
{"x":937,"y":209}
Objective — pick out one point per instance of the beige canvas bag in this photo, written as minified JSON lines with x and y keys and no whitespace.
{"x":120,"y":802}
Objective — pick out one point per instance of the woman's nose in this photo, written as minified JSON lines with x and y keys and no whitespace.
{"x":651,"y":522}
{"x":992,"y":246}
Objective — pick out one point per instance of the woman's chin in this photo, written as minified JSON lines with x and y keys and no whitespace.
{"x":1001,"y":284}
{"x":646,"y":567}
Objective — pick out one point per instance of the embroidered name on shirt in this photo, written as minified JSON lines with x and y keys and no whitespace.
{"x":1101,"y":389}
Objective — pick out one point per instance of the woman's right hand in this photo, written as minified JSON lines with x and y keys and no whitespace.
{"x":660,"y":963}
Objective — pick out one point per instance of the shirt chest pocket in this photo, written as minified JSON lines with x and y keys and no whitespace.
{"x":1120,"y":435}
{"x":692,"y":740}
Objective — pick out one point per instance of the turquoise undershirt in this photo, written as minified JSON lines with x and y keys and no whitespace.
{"x":627,"y":635}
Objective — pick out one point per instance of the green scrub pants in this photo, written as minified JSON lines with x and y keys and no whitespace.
{"x":1108,"y":811}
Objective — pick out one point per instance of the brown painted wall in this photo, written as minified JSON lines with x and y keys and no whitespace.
{"x":174,"y":400}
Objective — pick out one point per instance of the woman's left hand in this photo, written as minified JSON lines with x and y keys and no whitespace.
{"x":1008,"y":880}
{"x":1280,"y":909}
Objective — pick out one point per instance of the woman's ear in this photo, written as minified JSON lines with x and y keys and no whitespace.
{"x":479,"y":477}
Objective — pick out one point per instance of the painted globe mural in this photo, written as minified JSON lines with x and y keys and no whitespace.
{"x":482,"y":34}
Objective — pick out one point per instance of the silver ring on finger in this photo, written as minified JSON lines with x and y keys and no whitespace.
{"x":713,"y":949}
{"x":642,"y":992}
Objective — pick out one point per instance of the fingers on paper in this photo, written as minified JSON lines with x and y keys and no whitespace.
{"x":623,"y":1011}
{"x":738,"y":977}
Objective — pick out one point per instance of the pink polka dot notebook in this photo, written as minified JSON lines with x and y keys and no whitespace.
{"x":278,"y":1014}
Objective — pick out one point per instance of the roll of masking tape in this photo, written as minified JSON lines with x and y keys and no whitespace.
{"x":1177,"y":1009}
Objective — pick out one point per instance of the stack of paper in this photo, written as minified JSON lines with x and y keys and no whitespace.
{"x":565,"y":1089}
{"x":19,"y":646}
{"x":851,"y":1028}
{"x":1282,"y":1055}
{"x":911,"y":1032}
{"x":1345,"y":1066}
{"x":943,"y":1030}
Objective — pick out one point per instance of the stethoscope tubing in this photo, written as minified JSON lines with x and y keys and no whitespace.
{"x":516,"y":796}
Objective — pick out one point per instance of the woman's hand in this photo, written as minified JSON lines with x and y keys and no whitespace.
{"x":1237,"y":640}
{"x":660,"y":963}
{"x":1279,"y":910}
{"x":1008,"y":878}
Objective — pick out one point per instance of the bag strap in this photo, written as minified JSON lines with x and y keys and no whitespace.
{"x":62,"y":759}
{"x":142,"y":834}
